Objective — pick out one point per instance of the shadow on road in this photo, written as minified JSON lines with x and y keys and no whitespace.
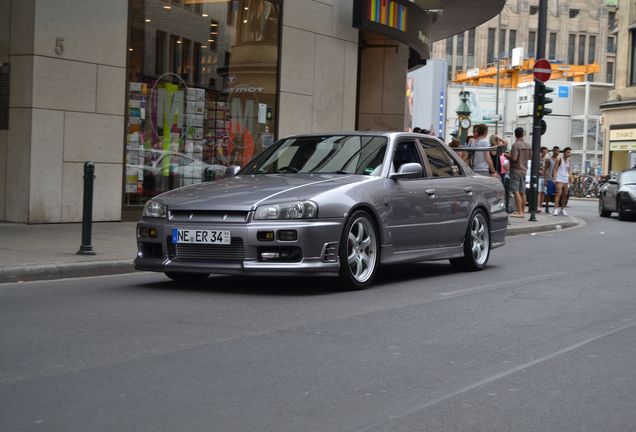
{"x":302,"y":286}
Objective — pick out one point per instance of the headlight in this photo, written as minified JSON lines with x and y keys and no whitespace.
{"x":155,"y":209}
{"x":288,"y":210}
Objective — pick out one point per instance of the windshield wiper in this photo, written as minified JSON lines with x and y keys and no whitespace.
{"x":337,"y":172}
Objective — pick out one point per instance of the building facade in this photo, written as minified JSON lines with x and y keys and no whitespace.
{"x":160,"y":94}
{"x":578,"y":32}
{"x":619,"y":112}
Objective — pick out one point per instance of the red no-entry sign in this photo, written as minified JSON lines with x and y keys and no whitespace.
{"x":542,"y":70}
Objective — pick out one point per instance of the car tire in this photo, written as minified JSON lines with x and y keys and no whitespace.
{"x":602,"y":211}
{"x":359,"y":252}
{"x":187,"y":277}
{"x":622,"y":214}
{"x":476,"y":244}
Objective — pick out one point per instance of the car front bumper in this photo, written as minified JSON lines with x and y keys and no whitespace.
{"x":315,"y":249}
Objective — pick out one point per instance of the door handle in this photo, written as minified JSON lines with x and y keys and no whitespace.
{"x":431,"y":192}
{"x":468,"y":190}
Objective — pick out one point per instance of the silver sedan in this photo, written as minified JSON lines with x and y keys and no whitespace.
{"x":328,"y":204}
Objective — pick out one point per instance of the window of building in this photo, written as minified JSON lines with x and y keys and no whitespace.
{"x":574,"y":13}
{"x":610,"y":73}
{"x":632,"y":57}
{"x":460,"y":51}
{"x":611,"y":20}
{"x":591,"y":49}
{"x":501,"y":47}
{"x":552,"y":43}
{"x":512,"y":39}
{"x":491,"y":44}
{"x":534,"y":10}
{"x":471,"y":48}
{"x":532,"y":43}
{"x":611,"y":45}
{"x":581,"y":56}
{"x":449,"y":57}
{"x":196,"y":102}
{"x":571,"y":48}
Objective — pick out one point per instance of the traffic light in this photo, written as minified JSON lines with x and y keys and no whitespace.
{"x":542,"y":100}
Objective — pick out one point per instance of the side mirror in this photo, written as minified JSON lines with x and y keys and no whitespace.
{"x":232,"y":170}
{"x":612,"y":181}
{"x":408,"y":170}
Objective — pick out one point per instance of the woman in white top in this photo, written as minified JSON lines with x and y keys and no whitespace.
{"x":561,"y":174}
{"x":482,"y":161}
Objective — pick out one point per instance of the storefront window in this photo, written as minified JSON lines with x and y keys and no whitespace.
{"x":202,"y":90}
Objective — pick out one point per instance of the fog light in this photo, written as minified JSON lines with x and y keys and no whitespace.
{"x":287,"y":235}
{"x":152,"y":233}
{"x":280,"y":254}
{"x":142,"y":232}
{"x":265,"y":235}
{"x":270,"y":255}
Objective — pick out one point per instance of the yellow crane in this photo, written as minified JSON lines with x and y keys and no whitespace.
{"x":511,"y":76}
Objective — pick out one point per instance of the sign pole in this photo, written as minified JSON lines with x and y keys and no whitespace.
{"x":536,"y":121}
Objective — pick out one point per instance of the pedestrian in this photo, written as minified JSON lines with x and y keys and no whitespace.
{"x":541,"y":187}
{"x":548,"y":169}
{"x":520,"y":154}
{"x":562,"y":174}
{"x":482,"y":161}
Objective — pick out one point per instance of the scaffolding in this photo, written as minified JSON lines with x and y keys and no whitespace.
{"x":511,"y":76}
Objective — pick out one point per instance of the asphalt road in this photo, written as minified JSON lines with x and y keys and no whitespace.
{"x":542,"y":340}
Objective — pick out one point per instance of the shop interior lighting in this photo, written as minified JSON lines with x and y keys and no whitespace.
{"x":167,"y":7}
{"x":214,"y":33}
{"x":178,"y":41}
{"x":210,"y":40}
{"x":214,"y":25}
{"x":244,"y":21}
{"x":203,"y":46}
{"x":130,"y":49}
{"x":148,"y":20}
{"x":204,"y":15}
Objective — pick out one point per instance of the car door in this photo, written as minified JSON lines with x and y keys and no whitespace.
{"x":455,"y":195}
{"x":412,"y":203}
{"x":609,"y":194}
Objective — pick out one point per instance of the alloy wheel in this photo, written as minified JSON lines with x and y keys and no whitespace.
{"x":361,"y":249}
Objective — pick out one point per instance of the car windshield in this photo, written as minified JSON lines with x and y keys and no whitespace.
{"x":334,"y":154}
{"x":628,"y":177}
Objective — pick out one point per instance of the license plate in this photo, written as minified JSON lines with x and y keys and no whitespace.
{"x":201,"y":236}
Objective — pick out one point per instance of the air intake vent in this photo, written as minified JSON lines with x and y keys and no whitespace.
{"x":330,"y":252}
{"x":234,"y":252}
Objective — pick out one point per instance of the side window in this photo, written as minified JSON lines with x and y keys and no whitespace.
{"x":441,"y":162}
{"x":405,"y":152}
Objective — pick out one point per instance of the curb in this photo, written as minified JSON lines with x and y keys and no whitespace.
{"x":559,"y":225}
{"x":27,"y":273}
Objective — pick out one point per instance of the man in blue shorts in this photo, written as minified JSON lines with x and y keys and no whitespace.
{"x":548,"y":168}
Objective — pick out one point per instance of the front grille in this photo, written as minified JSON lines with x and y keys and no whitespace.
{"x":208,"y":216}
{"x":234,"y":252}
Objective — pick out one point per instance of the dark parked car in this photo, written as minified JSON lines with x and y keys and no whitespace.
{"x":619,"y":195}
{"x":335,"y":204}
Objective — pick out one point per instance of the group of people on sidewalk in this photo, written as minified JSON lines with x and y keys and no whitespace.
{"x":555,"y":172}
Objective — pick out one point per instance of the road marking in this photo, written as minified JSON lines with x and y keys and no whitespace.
{"x":506,"y":373}
{"x":506,"y":283}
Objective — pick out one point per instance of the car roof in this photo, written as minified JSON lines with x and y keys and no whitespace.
{"x":388,"y":134}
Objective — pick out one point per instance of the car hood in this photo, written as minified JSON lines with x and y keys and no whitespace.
{"x":630,"y":188}
{"x":246,"y":192}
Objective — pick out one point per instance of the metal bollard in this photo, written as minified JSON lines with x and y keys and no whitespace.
{"x":209,"y":174}
{"x":86,"y":247}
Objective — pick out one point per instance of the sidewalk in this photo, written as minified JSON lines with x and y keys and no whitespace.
{"x":48,"y":251}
